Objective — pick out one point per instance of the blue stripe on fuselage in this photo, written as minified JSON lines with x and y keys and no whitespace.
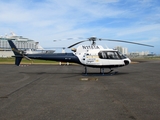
{"x":65,"y":57}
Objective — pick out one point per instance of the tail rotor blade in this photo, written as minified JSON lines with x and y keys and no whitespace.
{"x":27,"y":58}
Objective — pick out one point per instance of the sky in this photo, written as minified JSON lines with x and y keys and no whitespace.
{"x":48,"y":20}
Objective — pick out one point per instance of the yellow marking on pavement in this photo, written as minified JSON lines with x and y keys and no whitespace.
{"x":89,"y":79}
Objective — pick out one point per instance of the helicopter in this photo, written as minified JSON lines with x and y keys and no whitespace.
{"x":87,"y":55}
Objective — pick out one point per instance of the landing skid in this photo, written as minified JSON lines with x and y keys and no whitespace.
{"x":111,"y":72}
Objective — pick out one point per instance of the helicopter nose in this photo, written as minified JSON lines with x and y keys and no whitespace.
{"x":127,"y":61}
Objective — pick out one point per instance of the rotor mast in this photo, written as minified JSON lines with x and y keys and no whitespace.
{"x":93,"y":39}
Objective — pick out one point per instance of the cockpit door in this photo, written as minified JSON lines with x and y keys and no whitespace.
{"x":114,"y":58}
{"x":110,"y":58}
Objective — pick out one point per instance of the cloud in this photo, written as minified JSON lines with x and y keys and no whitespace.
{"x":150,"y":41}
{"x":81,"y":11}
{"x":138,"y":29}
{"x":52,"y":19}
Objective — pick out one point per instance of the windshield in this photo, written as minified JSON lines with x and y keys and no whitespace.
{"x":121,"y":55}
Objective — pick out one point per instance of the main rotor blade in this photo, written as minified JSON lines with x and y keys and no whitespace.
{"x":77,"y":43}
{"x":127,"y":42}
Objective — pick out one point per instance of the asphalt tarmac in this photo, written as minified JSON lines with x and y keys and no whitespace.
{"x":53,"y":92}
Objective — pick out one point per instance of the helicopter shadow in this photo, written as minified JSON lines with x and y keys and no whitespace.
{"x":69,"y":74}
{"x":39,"y":73}
{"x":105,"y":74}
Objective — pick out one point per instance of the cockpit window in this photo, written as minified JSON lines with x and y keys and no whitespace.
{"x":121,"y":55}
{"x":109,"y":55}
{"x":112,"y":55}
{"x":102,"y":55}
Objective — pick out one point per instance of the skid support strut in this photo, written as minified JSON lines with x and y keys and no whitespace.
{"x":102,"y":70}
{"x":85,"y":70}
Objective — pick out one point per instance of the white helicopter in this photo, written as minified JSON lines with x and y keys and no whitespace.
{"x":88,"y":56}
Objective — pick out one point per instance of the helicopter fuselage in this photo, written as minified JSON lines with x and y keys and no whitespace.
{"x":100,"y":58}
{"x":103,"y":58}
{"x":92,"y":56}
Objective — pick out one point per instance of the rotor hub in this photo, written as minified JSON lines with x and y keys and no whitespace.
{"x":93,"y":39}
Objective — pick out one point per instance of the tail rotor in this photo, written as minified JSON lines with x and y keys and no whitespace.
{"x":19,"y":54}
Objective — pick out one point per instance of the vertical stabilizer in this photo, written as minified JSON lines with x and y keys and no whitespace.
{"x":14,"y":48}
{"x":18,"y":60}
{"x":18,"y":55}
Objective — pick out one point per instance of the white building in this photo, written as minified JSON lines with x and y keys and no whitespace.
{"x":19,"y":41}
{"x":123,"y":50}
{"x":142,"y":53}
